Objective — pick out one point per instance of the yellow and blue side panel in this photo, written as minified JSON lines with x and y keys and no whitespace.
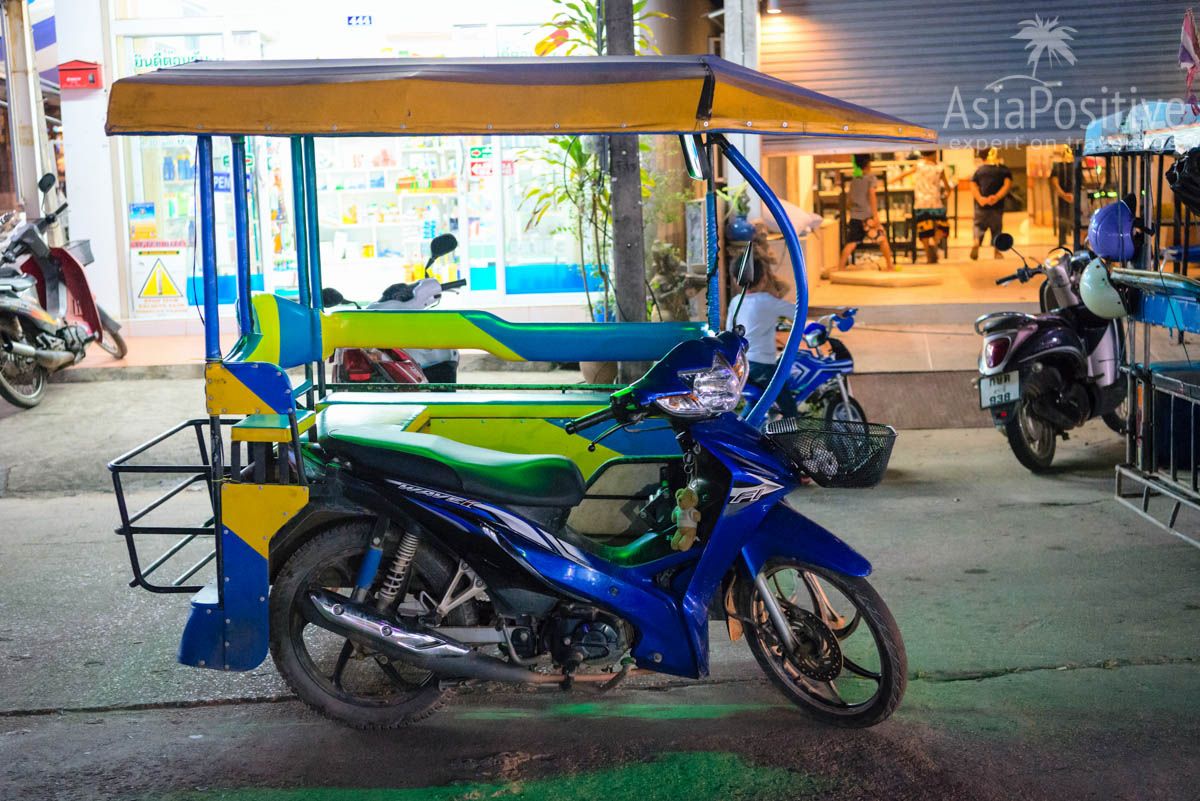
{"x":231,"y":632}
{"x":285,"y":333}
{"x":531,"y":342}
{"x":247,"y":388}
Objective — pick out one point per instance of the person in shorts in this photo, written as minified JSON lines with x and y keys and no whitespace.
{"x":863,"y":225}
{"x":931,"y":188}
{"x":990,"y":184}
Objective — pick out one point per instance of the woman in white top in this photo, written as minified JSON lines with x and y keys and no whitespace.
{"x":758,"y":312}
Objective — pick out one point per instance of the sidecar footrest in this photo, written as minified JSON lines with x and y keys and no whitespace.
{"x":203,"y":643}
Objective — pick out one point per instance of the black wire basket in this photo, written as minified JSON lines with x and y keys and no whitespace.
{"x":839,"y":453}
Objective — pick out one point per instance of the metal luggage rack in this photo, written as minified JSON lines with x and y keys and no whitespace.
{"x":1161,"y":479}
{"x":192,"y":474}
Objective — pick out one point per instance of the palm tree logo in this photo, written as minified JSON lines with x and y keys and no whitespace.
{"x":1044,"y":38}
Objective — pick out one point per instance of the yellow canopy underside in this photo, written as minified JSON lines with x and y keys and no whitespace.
{"x":497,"y":96}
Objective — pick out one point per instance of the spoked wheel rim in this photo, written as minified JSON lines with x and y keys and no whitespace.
{"x":350,"y":672}
{"x":109,"y":346}
{"x":22,"y":377}
{"x":1039,"y":436}
{"x":837,"y":665}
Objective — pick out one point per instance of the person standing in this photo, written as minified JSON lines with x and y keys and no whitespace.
{"x":863,"y":224}
{"x":1062,"y":185}
{"x":990,"y":185}
{"x":931,"y":189}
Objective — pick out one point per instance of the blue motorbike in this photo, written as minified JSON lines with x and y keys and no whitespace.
{"x":820,"y":376}
{"x":467,"y":567}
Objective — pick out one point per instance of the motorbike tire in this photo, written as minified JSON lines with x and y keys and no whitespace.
{"x":344,"y":544}
{"x":893,"y":671}
{"x":22,"y":398}
{"x":113,"y":344}
{"x":1115,"y":421}
{"x":838,"y":410}
{"x":1032,"y":458}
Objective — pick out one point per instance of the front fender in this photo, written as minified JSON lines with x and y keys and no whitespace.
{"x":784,"y":532}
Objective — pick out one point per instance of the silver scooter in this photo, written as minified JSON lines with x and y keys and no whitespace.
{"x":1043,"y":375}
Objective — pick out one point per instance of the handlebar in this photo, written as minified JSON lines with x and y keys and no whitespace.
{"x":50,"y":218}
{"x":459,"y":284}
{"x":588,"y":420}
{"x":1023,"y":274}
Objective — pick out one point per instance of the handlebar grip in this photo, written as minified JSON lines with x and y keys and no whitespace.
{"x":574,"y":426}
{"x":1006,"y":279}
{"x":459,"y":284}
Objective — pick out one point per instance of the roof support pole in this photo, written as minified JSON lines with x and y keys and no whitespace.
{"x":314,"y":245}
{"x":299,"y":211}
{"x":208,"y":251}
{"x":629,"y":252}
{"x":241,"y":224}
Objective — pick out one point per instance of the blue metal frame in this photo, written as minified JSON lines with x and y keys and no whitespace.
{"x":241,"y":224}
{"x":300,"y":212}
{"x":208,"y":250}
{"x":759,"y":412}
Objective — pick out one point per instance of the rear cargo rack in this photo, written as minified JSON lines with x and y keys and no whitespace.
{"x":202,"y":535}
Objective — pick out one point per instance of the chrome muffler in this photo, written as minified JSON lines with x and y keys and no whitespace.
{"x":50,"y":359}
{"x":424,"y":649}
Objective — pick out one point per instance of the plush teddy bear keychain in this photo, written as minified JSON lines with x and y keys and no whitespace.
{"x":686,"y":517}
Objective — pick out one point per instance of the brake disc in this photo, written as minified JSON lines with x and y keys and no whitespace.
{"x":817,"y":654}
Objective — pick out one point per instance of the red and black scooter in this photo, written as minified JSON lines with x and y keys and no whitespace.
{"x":48,"y":315}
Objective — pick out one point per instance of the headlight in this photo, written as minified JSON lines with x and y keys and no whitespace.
{"x":715,"y":390}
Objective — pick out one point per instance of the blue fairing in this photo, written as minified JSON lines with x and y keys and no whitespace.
{"x":671,"y":621}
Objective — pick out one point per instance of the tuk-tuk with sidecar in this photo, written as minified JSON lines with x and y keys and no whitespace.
{"x":283,"y":452}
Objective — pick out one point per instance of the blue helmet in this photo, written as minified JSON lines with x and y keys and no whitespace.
{"x":1111,"y":232}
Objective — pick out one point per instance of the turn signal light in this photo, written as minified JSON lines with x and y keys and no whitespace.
{"x":995,"y":351}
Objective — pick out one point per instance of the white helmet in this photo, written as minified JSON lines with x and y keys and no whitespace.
{"x":1098,"y":293}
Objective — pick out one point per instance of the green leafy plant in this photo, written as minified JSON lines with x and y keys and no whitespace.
{"x":578,"y":27}
{"x":737,"y":198}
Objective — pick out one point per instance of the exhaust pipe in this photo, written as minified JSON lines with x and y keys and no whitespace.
{"x":424,"y":649}
{"x":50,"y":359}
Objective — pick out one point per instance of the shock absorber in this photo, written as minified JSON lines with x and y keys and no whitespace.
{"x":396,"y":579}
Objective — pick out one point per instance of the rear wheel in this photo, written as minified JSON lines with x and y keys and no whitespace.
{"x":839,"y":670}
{"x":339,"y":679}
{"x":1032,"y":440}
{"x":22,"y":380}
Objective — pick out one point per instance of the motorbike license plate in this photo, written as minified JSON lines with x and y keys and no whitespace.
{"x":995,"y":390}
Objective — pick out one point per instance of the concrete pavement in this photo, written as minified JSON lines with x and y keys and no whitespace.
{"x":1051,"y":639}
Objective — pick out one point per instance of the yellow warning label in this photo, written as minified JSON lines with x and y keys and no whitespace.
{"x":159,"y":283}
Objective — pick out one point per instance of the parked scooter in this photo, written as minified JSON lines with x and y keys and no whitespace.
{"x":1043,"y":375}
{"x":396,"y":365}
{"x":820,"y":376}
{"x":48,"y":315}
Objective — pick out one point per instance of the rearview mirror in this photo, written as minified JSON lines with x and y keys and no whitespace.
{"x":743,"y":271}
{"x":693,"y":156}
{"x":441,"y":245}
{"x":1003,"y":242}
{"x":47,"y":182}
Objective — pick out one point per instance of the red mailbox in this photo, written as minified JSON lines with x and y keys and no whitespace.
{"x":80,"y":75}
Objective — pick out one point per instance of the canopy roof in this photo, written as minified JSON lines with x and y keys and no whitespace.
{"x":455,"y":96}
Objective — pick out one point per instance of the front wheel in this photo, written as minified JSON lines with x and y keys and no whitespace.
{"x":1032,"y":440}
{"x":113,"y":344}
{"x":844,"y":408}
{"x":837,"y":669}
{"x":22,"y":381}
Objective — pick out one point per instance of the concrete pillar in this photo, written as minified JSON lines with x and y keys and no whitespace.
{"x":26,"y":113}
{"x":82,"y":31}
{"x":741,"y":47}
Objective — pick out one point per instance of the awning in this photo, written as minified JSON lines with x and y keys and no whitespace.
{"x":453,"y":96}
